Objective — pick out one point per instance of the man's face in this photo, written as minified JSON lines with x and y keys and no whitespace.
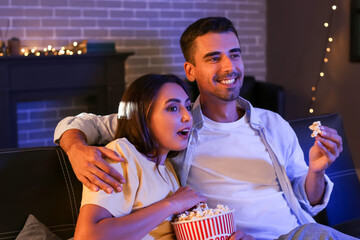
{"x":218,"y":66}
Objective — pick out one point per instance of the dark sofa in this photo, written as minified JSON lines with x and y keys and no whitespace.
{"x":40,"y":181}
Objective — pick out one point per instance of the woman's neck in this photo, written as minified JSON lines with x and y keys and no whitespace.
{"x":161,"y":158}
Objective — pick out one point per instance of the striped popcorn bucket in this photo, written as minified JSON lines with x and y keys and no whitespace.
{"x":217,"y":227}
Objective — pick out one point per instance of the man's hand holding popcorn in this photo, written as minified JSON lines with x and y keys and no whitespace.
{"x":327,"y":147}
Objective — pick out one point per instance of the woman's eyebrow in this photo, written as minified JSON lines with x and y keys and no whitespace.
{"x":176,"y":100}
{"x":172,"y":100}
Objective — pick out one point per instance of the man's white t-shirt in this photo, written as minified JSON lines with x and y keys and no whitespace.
{"x":223,"y":171}
{"x":144,"y":186}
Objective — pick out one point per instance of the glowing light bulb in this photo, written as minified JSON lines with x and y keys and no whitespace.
{"x":326,"y":24}
{"x":326,"y":60}
{"x":334,"y":7}
{"x":311,"y":110}
{"x":313,"y":89}
{"x":49,"y":47}
{"x":75,"y":44}
{"x":313,"y":99}
{"x":330,"y":39}
{"x":322,"y":74}
{"x":328,"y":49}
{"x":79,"y":52}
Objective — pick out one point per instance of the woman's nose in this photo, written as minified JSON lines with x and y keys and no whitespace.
{"x":186,"y":115}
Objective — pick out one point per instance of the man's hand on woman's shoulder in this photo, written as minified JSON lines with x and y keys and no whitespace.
{"x":88,"y":162}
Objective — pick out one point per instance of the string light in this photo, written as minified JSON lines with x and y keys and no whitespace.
{"x":75,"y":47}
{"x":325,"y":59}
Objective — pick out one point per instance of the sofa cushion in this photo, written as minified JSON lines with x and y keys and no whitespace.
{"x":35,"y":230}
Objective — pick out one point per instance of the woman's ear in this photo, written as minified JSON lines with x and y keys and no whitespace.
{"x":189,"y":71}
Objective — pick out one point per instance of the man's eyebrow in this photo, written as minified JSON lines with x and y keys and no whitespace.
{"x":235,"y":50}
{"x":210,"y":54}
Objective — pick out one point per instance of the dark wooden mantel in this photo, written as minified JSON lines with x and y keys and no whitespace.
{"x":39,"y":78}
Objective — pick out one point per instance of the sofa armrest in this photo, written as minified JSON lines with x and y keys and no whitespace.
{"x":344,"y":201}
{"x":38,"y":181}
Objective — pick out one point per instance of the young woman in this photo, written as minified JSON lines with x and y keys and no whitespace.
{"x":154,"y":122}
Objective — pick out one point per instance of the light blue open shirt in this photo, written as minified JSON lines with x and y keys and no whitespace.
{"x":279,"y":138}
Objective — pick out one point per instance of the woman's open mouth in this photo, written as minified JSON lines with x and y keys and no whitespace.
{"x":184,"y":132}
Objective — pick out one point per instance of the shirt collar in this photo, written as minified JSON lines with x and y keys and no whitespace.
{"x":253,"y":119}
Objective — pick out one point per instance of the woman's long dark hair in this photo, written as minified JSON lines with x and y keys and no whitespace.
{"x":135,"y":110}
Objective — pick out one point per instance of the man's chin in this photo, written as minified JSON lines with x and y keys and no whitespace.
{"x":229,"y":97}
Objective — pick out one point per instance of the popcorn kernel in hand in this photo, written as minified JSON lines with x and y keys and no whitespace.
{"x":315,"y":127}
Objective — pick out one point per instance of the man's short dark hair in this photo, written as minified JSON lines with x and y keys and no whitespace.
{"x":201,"y":27}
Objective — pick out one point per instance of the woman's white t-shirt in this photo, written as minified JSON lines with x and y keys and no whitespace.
{"x":144,"y":186}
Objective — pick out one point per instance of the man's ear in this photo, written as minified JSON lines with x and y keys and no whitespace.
{"x":189,"y":71}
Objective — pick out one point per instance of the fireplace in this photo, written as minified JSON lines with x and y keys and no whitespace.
{"x":36,"y":92}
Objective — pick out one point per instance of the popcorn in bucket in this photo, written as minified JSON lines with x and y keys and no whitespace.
{"x":204,"y":223}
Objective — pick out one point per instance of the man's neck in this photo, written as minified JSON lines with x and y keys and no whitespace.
{"x":222,"y":111}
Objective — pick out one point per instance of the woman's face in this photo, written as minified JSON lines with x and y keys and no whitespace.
{"x":171,"y":119}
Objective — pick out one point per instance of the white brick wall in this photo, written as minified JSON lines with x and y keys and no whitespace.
{"x":150,"y":28}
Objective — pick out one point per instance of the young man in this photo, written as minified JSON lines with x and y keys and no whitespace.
{"x":240,"y":156}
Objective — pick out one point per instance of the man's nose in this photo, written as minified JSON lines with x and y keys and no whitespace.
{"x":227,"y":64}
